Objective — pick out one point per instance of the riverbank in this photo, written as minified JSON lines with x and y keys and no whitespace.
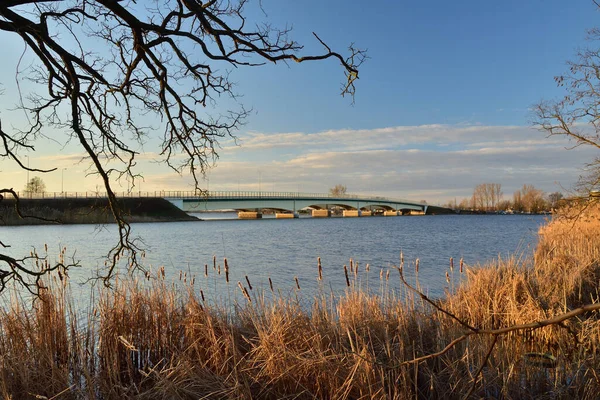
{"x":89,"y":211}
{"x":164,"y":340}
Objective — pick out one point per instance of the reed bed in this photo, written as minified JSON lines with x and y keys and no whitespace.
{"x":150,"y":339}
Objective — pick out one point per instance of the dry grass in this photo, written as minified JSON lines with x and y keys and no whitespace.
{"x":157,"y":339}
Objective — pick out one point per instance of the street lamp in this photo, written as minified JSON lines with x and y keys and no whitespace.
{"x":62,"y":181}
{"x":27,"y":183}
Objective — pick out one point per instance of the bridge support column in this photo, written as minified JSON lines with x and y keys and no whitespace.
{"x":286,"y":215}
{"x":321,"y":213}
{"x":351,"y":213}
{"x":390,"y":213}
{"x":249,"y":215}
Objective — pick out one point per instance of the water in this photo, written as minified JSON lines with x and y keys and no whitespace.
{"x":284,"y":249}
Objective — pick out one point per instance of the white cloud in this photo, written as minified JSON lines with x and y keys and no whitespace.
{"x":432,"y":162}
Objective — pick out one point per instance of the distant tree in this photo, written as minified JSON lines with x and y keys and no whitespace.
{"x":35,"y":186}
{"x":486,"y":196}
{"x":554,"y":199}
{"x":530,"y":199}
{"x":338,"y":190}
{"x":464,"y":204}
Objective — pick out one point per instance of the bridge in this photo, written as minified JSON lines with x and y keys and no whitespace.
{"x":287,"y":204}
{"x":251,"y":204}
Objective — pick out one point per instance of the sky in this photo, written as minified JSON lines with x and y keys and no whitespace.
{"x":443,"y":103}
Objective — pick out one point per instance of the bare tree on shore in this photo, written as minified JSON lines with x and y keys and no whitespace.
{"x":102,"y":69}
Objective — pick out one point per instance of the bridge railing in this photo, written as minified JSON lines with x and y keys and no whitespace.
{"x":216,"y":195}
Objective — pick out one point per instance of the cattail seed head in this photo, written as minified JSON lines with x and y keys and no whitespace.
{"x":297,"y":283}
{"x":417,"y":265}
{"x":451,"y":264}
{"x":249,"y":284}
{"x":346,"y":273}
{"x":271,"y":284}
{"x":320,"y":268}
{"x":461,"y":262}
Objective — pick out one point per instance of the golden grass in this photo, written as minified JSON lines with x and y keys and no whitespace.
{"x":156,"y":339}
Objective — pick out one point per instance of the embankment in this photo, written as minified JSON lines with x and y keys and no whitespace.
{"x":89,"y":211}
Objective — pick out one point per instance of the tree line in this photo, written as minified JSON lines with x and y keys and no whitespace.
{"x":489,"y":197}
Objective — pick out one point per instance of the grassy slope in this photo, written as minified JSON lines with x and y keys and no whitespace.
{"x":90,"y":211}
{"x":159,"y":340}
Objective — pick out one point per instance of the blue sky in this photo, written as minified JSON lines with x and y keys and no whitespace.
{"x":442,"y":103}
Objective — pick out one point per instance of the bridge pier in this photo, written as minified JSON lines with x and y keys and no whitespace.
{"x":249,"y":215}
{"x":286,"y":215}
{"x":321,"y":213}
{"x":351,"y":213}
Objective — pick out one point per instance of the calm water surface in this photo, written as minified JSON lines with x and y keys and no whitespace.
{"x":284,"y":249}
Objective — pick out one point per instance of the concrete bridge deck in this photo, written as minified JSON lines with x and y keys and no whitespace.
{"x":286,"y":201}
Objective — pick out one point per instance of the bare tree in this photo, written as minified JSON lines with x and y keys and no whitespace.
{"x":529,"y":199}
{"x":35,"y":186}
{"x":162,"y":61}
{"x":486,"y":196}
{"x":577,"y":115}
{"x":338,"y":190}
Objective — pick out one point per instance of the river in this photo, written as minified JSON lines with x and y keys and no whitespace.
{"x":285,"y":249}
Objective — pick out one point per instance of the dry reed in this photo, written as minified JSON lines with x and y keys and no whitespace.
{"x":160,"y":340}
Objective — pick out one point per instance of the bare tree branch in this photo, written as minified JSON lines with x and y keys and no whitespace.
{"x":108,"y":70}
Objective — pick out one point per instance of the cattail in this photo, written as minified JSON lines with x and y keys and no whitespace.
{"x":417,"y":265}
{"x":271,"y":284}
{"x":244,"y":292}
{"x":205,"y":269}
{"x":351,"y":266}
{"x":387,"y":275}
{"x":381,"y":274}
{"x":226,"y":270}
{"x":202,"y":294}
{"x":249,"y":284}
{"x":162,"y":271}
{"x":297,"y":283}
{"x":180,"y":273}
{"x":447,"y":277}
{"x":355,"y":268}
{"x":451,"y":264}
{"x":214,"y":262}
{"x":320,"y":268}
{"x":46,"y":247}
{"x":461,"y":262}
{"x":367,"y":267}
{"x":401,"y":257}
{"x":193,"y":280}
{"x":219,"y":269}
{"x":346,"y":273}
